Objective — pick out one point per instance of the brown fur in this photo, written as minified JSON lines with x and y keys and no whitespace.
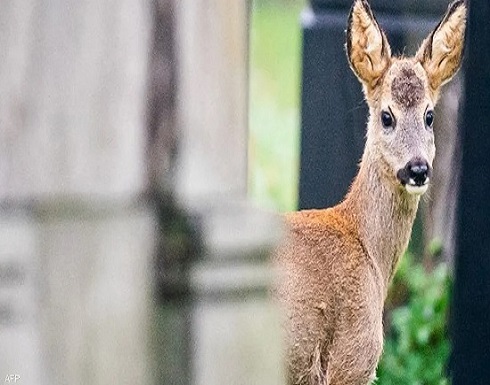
{"x":407,"y":88}
{"x":440,"y":54}
{"x":337,"y":263}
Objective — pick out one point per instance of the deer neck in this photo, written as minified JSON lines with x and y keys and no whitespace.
{"x":383,"y":214}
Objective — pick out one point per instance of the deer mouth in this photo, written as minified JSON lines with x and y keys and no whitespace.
{"x":414,"y":186}
{"x":415,"y":189}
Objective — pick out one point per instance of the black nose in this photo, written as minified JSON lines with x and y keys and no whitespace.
{"x":418,"y":172}
{"x":415,"y":172}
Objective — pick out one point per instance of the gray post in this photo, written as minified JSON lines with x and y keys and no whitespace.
{"x":76,"y":235}
{"x":20,"y":342}
{"x":214,"y":322}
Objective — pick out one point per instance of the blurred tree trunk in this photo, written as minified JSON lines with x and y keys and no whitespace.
{"x":439,"y":208}
{"x":162,"y":131}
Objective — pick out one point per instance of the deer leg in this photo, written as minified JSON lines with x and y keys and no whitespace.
{"x":354,"y":356}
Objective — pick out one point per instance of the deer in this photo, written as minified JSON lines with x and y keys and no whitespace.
{"x":336,"y":263}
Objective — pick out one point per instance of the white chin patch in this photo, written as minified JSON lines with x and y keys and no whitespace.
{"x":416,"y":190}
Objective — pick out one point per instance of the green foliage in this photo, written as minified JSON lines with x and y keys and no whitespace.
{"x":417,"y":347}
{"x":275,"y":56}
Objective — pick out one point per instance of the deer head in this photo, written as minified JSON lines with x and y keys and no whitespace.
{"x":402,"y":92}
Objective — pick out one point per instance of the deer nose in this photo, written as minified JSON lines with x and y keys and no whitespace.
{"x":418,"y":172}
{"x":415,"y":173}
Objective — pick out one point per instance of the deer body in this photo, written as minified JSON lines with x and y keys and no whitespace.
{"x":335,"y":277}
{"x":337,"y":263}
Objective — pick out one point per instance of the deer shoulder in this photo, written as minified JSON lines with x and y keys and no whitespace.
{"x":337,"y":263}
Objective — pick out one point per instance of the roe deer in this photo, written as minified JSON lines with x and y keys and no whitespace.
{"x":337,"y":263}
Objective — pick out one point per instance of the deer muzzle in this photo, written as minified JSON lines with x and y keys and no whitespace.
{"x":415,"y":176}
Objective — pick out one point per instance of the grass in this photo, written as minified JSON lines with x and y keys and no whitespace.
{"x":275,"y":50}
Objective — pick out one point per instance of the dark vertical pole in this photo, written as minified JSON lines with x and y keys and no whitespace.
{"x":334,"y":113}
{"x":471,"y":338}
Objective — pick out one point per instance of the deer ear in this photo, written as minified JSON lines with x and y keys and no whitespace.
{"x":441,"y":52}
{"x":367,"y":48}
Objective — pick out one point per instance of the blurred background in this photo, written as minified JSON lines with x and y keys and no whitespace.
{"x":146,"y":148}
{"x":274,"y":103}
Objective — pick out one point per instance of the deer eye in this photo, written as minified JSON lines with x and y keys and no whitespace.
{"x":429,"y":118}
{"x":386,"y":119}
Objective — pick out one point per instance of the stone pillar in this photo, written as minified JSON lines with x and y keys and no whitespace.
{"x":212,"y":106}
{"x":77,"y":235}
{"x":20,"y":341}
{"x":215,"y":323}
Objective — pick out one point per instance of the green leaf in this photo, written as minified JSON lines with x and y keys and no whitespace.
{"x":416,"y":344}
